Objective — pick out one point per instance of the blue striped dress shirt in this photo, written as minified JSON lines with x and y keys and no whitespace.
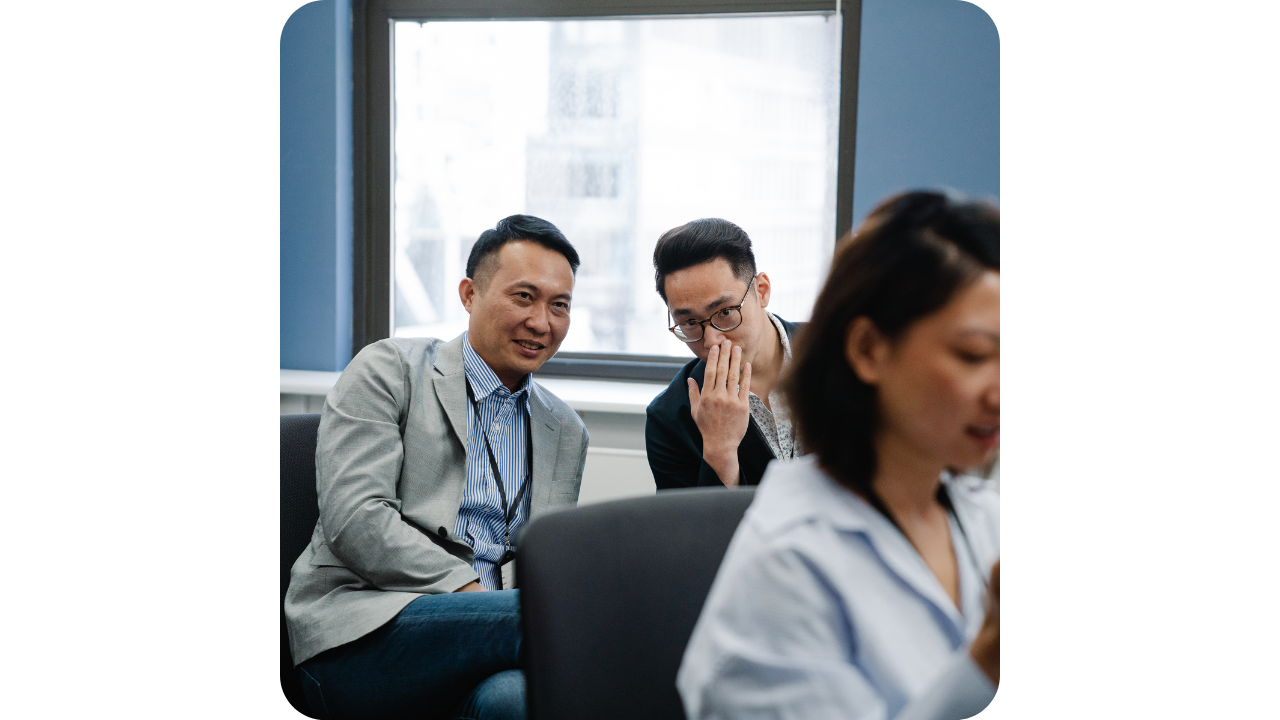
{"x":505,"y":415}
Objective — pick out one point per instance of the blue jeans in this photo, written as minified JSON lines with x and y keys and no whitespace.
{"x":444,"y":656}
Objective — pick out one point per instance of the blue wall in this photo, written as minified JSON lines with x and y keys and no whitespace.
{"x":928,"y":100}
{"x":315,"y":187}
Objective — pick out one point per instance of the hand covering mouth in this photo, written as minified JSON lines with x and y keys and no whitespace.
{"x":530,"y":344}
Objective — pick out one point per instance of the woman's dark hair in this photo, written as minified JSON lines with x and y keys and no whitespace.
{"x":510,"y":229}
{"x":913,"y":253}
{"x":701,"y":241}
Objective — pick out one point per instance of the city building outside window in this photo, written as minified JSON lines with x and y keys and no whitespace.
{"x":614,"y":130}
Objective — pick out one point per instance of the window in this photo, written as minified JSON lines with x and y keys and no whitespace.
{"x":613,"y":128}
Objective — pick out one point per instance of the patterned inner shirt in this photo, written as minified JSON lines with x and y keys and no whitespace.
{"x":775,"y":425}
{"x":481,"y":523}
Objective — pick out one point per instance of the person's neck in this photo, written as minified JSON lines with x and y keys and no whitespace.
{"x":905,"y":479}
{"x":511,"y":384}
{"x":509,"y":381}
{"x":766,"y":364}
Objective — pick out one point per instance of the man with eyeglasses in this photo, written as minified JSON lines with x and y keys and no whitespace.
{"x":720,"y":421}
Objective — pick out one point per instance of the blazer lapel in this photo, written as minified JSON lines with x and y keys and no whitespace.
{"x":450,"y":385}
{"x":546,"y":444}
{"x":754,"y":454}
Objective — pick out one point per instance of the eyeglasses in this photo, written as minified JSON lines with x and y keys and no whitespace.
{"x":724,"y":320}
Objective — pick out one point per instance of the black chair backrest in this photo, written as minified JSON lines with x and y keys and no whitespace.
{"x":609,"y":595}
{"x":299,"y":511}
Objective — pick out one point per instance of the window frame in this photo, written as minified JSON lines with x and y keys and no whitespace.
{"x":372,"y":26}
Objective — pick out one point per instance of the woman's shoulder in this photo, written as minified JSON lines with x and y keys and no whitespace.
{"x":797,"y":499}
{"x":791,"y":535}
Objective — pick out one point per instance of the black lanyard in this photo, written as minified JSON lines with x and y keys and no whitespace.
{"x":508,"y":511}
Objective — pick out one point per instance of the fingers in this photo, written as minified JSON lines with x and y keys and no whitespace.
{"x":734,"y":376}
{"x":722,"y":373}
{"x":745,"y":387}
{"x":713,"y":365}
{"x":694,"y":398}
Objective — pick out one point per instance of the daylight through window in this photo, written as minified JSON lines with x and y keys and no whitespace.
{"x":616,"y":131}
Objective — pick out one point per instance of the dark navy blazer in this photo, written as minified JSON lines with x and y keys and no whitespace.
{"x":674,"y":444}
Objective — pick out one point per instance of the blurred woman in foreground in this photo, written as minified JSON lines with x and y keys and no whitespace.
{"x":860,"y":583}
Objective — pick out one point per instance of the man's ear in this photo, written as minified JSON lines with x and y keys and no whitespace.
{"x":467,"y":291}
{"x":763,"y":288}
{"x":865,"y":349}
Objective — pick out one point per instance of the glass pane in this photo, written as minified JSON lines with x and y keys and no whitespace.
{"x":616,"y":131}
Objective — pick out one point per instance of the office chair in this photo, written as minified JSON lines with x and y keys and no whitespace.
{"x":299,"y":511}
{"x":609,"y":595}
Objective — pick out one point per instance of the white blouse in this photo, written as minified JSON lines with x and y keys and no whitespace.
{"x":823,"y":609}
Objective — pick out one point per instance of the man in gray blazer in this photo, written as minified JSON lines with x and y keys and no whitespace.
{"x":430,"y":454}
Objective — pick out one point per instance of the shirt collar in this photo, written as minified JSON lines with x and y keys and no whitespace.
{"x":782,"y":335}
{"x":484,"y":381}
{"x":807,"y":492}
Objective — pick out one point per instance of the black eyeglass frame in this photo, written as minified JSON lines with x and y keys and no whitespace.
{"x":702,"y":324}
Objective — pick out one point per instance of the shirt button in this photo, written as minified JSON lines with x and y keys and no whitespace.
{"x":442,"y":532}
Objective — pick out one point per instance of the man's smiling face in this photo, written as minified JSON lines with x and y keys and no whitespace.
{"x":519,"y":305}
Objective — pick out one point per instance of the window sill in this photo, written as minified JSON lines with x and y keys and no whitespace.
{"x":612,"y":396}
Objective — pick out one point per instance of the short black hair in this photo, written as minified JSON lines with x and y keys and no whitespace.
{"x":702,"y":241}
{"x":518,"y":227}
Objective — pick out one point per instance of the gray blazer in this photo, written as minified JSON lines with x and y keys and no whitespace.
{"x":390,"y":470}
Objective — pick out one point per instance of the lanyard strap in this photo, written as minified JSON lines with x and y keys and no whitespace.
{"x":508,"y":511}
